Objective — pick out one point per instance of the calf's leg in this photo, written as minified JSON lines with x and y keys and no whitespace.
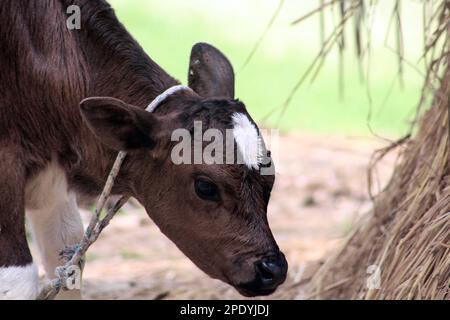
{"x":18,"y":274}
{"x":55,"y":220}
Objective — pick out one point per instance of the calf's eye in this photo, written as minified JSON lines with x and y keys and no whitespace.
{"x":206,"y":190}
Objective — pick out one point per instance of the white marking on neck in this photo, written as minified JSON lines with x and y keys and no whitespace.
{"x":247,"y":139}
{"x":19,"y":283}
{"x":47,"y":188}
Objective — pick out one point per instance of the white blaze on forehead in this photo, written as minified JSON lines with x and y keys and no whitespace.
{"x":18,"y":283}
{"x":247,"y":139}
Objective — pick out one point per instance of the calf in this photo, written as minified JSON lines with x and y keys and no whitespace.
{"x":56,"y":152}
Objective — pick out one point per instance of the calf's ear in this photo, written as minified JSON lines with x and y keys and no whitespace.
{"x":210,"y":72}
{"x":118,"y":125}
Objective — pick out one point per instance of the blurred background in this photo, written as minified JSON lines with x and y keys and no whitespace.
{"x":168,"y":29}
{"x":330,"y":127}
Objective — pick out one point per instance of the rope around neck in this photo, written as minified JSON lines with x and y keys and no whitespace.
{"x":66,"y":275}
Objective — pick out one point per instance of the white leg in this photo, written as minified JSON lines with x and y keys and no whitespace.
{"x":53,"y":231}
{"x":55,"y":221}
{"x":18,"y":283}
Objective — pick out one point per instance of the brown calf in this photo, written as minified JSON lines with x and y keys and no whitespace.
{"x":54,"y":154}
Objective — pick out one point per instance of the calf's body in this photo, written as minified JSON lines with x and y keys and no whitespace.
{"x":48,"y":156}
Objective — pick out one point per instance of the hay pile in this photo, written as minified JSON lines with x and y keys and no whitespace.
{"x":401,"y":249}
{"x":407,"y":234}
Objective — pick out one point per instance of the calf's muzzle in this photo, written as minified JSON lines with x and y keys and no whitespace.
{"x":270,"y":272}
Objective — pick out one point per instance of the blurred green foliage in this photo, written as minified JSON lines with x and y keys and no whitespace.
{"x":168,"y":29}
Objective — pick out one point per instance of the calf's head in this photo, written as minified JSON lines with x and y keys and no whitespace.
{"x":214,"y":211}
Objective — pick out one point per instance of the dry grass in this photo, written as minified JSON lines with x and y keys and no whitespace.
{"x":407,"y":235}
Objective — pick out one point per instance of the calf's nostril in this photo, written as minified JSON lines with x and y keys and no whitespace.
{"x":266,"y":271}
{"x":270,"y":272}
